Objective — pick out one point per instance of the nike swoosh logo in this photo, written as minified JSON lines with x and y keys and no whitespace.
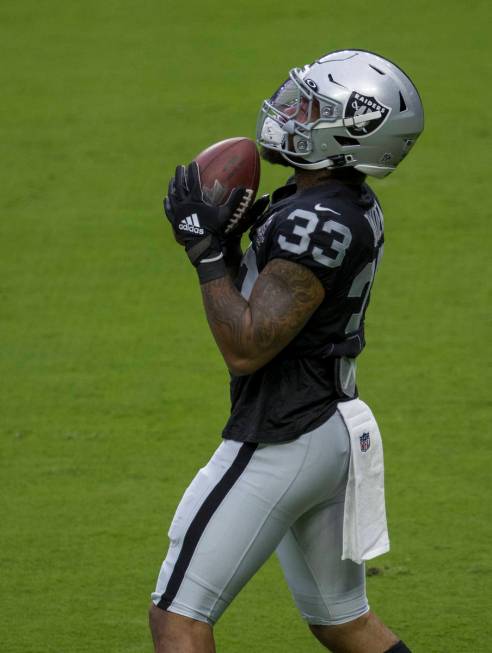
{"x":319,"y":207}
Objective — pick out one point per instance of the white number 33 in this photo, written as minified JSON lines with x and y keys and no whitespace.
{"x":306,"y":223}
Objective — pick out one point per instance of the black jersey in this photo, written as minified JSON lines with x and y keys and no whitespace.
{"x":336,"y":231}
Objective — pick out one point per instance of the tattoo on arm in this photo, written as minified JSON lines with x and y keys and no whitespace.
{"x":249,"y":334}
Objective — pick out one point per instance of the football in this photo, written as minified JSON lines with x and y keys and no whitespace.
{"x":230,"y":164}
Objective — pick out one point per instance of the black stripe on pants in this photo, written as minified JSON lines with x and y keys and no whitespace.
{"x":201,"y":519}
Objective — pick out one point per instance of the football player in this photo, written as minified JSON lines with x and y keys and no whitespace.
{"x":288,"y":318}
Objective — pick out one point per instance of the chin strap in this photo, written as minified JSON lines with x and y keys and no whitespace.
{"x":326,"y":163}
{"x":338,"y":161}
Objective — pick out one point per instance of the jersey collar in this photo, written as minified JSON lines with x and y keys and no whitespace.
{"x":361,"y":195}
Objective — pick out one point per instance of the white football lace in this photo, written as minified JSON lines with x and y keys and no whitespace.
{"x":241,"y":209}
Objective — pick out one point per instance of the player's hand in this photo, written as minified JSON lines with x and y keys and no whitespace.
{"x":237,"y":226}
{"x":196,"y":224}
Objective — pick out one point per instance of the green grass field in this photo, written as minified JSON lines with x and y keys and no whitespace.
{"x":112,"y":392}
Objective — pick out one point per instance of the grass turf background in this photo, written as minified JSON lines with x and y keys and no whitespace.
{"x":112,"y":393}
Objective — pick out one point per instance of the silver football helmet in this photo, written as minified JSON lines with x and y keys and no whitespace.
{"x":351,"y":108}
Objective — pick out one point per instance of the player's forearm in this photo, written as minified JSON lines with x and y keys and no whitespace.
{"x":230,"y":320}
{"x":249,"y":334}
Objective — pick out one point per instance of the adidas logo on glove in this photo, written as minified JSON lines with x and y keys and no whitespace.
{"x":192,"y":224}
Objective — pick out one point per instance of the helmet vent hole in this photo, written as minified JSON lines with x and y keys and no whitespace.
{"x":345,"y":141}
{"x":376,"y":69}
{"x":403,"y":106}
{"x":330,"y":77}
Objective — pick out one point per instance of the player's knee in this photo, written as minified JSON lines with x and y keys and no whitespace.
{"x":172,"y":632}
{"x":336,"y":636}
{"x":167,"y":628}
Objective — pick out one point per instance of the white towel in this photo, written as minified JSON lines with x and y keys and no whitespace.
{"x":365,"y":530}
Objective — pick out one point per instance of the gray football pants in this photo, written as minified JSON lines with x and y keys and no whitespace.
{"x":251,"y":500}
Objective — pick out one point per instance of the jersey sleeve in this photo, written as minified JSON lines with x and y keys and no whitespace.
{"x":319,"y":242}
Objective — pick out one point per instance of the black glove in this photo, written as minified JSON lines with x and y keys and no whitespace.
{"x":197,"y":225}
{"x":231,"y":240}
{"x":238,"y":226}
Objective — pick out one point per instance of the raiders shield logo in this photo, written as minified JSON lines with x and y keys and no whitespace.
{"x":359,"y":104}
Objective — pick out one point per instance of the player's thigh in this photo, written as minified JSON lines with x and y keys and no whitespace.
{"x":229,"y":521}
{"x":326,"y":589}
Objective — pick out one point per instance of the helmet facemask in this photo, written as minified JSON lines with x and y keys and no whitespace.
{"x":287,"y":119}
